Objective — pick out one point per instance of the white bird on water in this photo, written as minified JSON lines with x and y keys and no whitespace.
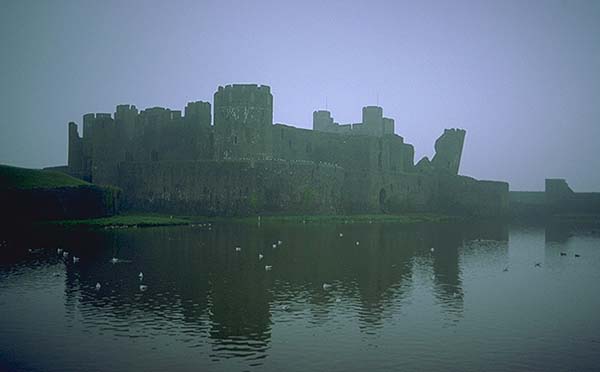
{"x":274,"y":245}
{"x":238,"y":249}
{"x":260,"y":256}
{"x":59,"y":251}
{"x":65,"y":254}
{"x":268,"y":267}
{"x":75,"y":259}
{"x":141,"y":276}
{"x":143,"y":287}
{"x":357,"y":242}
{"x":326,"y":286}
{"x":114,"y":260}
{"x":98,"y":286}
{"x":432,"y":249}
{"x":279,"y":242}
{"x":341,"y":235}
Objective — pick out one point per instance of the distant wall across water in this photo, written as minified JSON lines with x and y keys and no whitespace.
{"x":557,"y":199}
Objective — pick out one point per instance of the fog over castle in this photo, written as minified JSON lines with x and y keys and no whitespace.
{"x":520,"y":77}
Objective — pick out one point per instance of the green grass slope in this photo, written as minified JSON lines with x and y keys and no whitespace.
{"x":24,"y":178}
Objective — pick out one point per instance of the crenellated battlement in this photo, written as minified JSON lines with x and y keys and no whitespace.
{"x":373,"y":123}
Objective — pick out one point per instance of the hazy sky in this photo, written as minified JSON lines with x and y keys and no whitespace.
{"x":522,"y":77}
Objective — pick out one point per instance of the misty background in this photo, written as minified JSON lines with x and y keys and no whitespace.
{"x":522,"y":77}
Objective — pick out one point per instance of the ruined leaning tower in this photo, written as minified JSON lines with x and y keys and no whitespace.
{"x":243,"y":116}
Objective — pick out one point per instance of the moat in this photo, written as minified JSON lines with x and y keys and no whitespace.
{"x":323,"y":297}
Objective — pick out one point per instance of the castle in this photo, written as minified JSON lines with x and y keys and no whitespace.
{"x":241,"y":163}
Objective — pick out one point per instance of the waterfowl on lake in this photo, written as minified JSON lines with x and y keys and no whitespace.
{"x":260,"y":256}
{"x":326,"y":286}
{"x":576,"y":255}
{"x":538,"y":264}
{"x":357,"y":242}
{"x":505,"y":269}
{"x":341,"y":235}
{"x":65,"y":254}
{"x":432,"y":249}
{"x":143,"y":287}
{"x":141,"y":276}
{"x":274,"y":246}
{"x":75,"y":259}
{"x":268,"y":267}
{"x":238,"y":249}
{"x":563,"y":254}
{"x":98,"y":286}
{"x":59,"y":251}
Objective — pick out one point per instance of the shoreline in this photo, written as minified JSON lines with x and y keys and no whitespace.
{"x":156,"y":220}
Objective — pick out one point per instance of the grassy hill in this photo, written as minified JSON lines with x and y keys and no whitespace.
{"x":24,"y":178}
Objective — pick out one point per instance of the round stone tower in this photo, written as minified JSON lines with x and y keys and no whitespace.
{"x":243,"y":117}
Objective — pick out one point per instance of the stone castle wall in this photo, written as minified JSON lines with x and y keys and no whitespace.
{"x":244,"y":164}
{"x":232,"y":187}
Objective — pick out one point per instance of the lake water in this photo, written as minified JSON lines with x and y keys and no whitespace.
{"x":490,"y":297}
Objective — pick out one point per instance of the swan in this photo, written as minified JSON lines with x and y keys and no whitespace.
{"x":59,"y":251}
{"x":141,"y":276}
{"x":326,"y":286}
{"x":65,"y":254}
{"x":279,"y":242}
{"x":260,"y":256}
{"x":274,"y":245}
{"x":563,"y":254}
{"x":357,"y":242}
{"x":143,"y":287}
{"x":238,"y":249}
{"x":268,"y":267}
{"x":114,"y":260}
{"x":75,"y":259}
{"x":98,"y":286}
{"x":341,"y":235}
{"x":432,"y":249}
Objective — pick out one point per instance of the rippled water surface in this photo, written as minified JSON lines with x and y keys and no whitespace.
{"x":346,"y":297}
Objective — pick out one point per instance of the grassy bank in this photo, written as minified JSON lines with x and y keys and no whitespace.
{"x":126,"y":221}
{"x":149,"y":220}
{"x":26,"y":179}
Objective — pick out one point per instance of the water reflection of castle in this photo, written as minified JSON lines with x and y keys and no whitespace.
{"x":198,"y":279}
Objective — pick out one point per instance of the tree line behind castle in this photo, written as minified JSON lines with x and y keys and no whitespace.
{"x":238,"y":162}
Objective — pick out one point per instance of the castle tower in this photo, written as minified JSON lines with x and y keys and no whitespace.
{"x":125,"y":117}
{"x":75,"y":154}
{"x":243,"y":119}
{"x":197,"y":114}
{"x":322,"y":121}
{"x":372,"y":120}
